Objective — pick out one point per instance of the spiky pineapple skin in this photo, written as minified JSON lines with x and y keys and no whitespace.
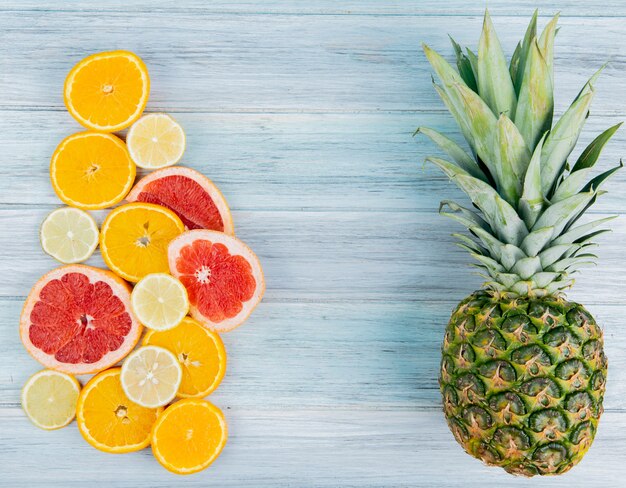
{"x":523,"y":381}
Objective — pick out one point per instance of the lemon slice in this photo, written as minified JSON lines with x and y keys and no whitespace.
{"x":49,"y":399}
{"x":69,"y":235}
{"x":151,"y":376}
{"x":160,"y":301}
{"x":155,"y":141}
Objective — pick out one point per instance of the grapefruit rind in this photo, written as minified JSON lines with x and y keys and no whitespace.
{"x":141,"y":105}
{"x":162,"y":422}
{"x":214,"y":192}
{"x":235,"y":247}
{"x":119,"y":287}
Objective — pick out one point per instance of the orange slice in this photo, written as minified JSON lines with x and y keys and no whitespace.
{"x":78,"y":319}
{"x":91,"y":170}
{"x":107,"y":91}
{"x":223,"y":277}
{"x":108,"y":420}
{"x":189,"y":435}
{"x":134,"y":239}
{"x":201,"y":354}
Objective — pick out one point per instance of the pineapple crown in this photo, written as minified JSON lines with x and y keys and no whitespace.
{"x":528,"y":198}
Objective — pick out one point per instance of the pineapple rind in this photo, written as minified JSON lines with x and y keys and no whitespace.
{"x":523,"y":381}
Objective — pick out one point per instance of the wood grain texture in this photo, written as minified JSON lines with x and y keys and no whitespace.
{"x":302,"y":113}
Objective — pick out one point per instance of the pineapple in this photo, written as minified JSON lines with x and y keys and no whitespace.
{"x":523,"y":369}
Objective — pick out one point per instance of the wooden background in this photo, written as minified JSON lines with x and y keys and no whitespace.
{"x":302,"y":113}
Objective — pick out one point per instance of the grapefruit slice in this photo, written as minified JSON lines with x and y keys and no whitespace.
{"x":223,"y":277}
{"x":77,"y":319}
{"x":189,"y":194}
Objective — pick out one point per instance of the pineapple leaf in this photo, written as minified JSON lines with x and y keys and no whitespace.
{"x":515,"y":59}
{"x":554,"y":253}
{"x":490,"y":264}
{"x":501,"y":216}
{"x":571,"y":185}
{"x":532,"y":202}
{"x":464,"y":66}
{"x":527,"y":267}
{"x":573,"y":235}
{"x":494,"y":80}
{"x":544,"y":278}
{"x":546,"y":44}
{"x":463,"y":215}
{"x":517,"y":71}
{"x":511,"y":255}
{"x":559,"y":214}
{"x":493,"y":245}
{"x":458,"y":116}
{"x":456,"y":152}
{"x":595,"y":183}
{"x":513,"y":158}
{"x":470,"y":245}
{"x":473,"y":63}
{"x":564,"y":264}
{"x":507,"y":279}
{"x":534,"y":242}
{"x":592,"y":152}
{"x":536,"y":104}
{"x":562,"y":139}
{"x":556,"y":286}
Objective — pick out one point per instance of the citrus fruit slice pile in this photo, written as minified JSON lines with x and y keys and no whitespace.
{"x":170,"y":251}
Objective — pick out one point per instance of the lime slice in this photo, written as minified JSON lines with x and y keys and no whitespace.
{"x":49,"y":399}
{"x":151,"y":376}
{"x":159,"y":301}
{"x":69,"y":235}
{"x":155,"y":141}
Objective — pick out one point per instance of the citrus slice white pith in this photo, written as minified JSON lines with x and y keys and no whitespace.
{"x":69,"y":235}
{"x":49,"y":399}
{"x":223,"y":277}
{"x":77,"y":319}
{"x":159,"y":301}
{"x":156,"y":141}
{"x":189,"y":194}
{"x":151,"y":376}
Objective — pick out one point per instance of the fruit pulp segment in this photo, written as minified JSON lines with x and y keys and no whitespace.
{"x":78,"y":321}
{"x":217,"y":282}
{"x":109,"y":89}
{"x":50,"y":399}
{"x":151,"y":376}
{"x":187,"y":199}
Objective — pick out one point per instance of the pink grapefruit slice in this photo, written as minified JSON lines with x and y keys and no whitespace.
{"x":223,"y":277}
{"x":77,"y":319}
{"x":189,"y":194}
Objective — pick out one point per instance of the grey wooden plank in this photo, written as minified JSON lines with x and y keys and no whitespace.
{"x":303,"y":448}
{"x":328,"y":355}
{"x":587,"y":8}
{"x":201,"y":61}
{"x":334,"y":255}
{"x":333,"y":162}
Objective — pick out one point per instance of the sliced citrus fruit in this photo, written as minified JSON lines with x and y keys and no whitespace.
{"x":189,"y":435}
{"x":223,"y":277}
{"x":91,"y":170}
{"x":155,"y":141}
{"x":200,"y":352}
{"x":159,"y":301}
{"x":69,"y":235}
{"x":77,"y":319}
{"x":108,"y":420}
{"x":134,"y":239}
{"x":107,"y":91}
{"x":191,"y":195}
{"x":49,"y":399}
{"x":151,"y":376}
